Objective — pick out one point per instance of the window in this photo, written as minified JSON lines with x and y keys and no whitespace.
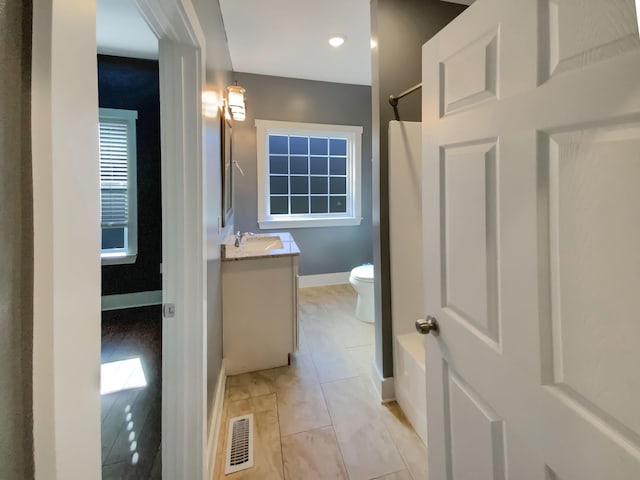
{"x":118,"y":199}
{"x":308,"y":174}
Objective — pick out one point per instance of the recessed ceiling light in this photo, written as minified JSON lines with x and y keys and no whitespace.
{"x":336,"y":40}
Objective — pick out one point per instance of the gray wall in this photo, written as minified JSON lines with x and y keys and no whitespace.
{"x":400,"y":27}
{"x":324,"y":250}
{"x":16,"y":242}
{"x":218,"y":68}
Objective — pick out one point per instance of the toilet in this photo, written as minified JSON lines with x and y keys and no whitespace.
{"x":361,"y":279}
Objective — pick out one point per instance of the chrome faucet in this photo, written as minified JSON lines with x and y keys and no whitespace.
{"x":240,"y":236}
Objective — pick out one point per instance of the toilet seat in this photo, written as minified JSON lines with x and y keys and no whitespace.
{"x":363,"y":273}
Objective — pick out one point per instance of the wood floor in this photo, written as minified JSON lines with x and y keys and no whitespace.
{"x":318,"y":418}
{"x":131,"y":419}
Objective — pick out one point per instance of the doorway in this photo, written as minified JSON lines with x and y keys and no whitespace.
{"x":161,"y":354}
{"x":131,"y":242}
{"x":66,"y":239}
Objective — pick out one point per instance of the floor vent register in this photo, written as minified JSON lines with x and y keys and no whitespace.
{"x":239,"y":444}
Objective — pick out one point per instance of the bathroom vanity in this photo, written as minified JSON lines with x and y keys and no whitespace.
{"x":259,"y":302}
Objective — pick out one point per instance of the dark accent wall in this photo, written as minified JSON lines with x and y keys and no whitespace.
{"x":16,"y":242}
{"x":133,"y":84}
{"x":400,"y":28}
{"x":323,"y":250}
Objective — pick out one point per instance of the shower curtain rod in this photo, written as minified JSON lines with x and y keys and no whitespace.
{"x":393,"y":99}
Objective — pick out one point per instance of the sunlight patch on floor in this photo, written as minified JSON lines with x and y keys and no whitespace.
{"x":122,"y":375}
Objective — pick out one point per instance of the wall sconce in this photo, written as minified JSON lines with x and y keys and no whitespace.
{"x":235,"y":102}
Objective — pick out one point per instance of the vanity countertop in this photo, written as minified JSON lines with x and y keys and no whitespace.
{"x":245,"y":251}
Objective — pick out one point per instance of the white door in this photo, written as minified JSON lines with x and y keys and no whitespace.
{"x":531,"y":134}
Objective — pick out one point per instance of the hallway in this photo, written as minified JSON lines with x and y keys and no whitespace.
{"x":318,"y":418}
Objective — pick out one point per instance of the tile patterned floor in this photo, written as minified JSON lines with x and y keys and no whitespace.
{"x":318,"y":418}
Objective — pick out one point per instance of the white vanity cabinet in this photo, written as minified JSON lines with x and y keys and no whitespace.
{"x":259,"y":305}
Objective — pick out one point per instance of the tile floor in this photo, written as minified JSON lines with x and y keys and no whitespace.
{"x":318,"y":418}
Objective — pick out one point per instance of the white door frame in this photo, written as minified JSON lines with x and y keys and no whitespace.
{"x":184,"y":395}
{"x":66,"y":333}
{"x":66,"y":249}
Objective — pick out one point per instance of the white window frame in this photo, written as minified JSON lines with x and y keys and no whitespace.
{"x":353,"y":135}
{"x":129,"y":253}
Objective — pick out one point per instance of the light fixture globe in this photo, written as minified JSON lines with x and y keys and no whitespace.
{"x":235,"y":102}
{"x":336,"y":40}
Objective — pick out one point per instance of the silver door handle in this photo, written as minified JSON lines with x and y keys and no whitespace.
{"x":428,"y":325}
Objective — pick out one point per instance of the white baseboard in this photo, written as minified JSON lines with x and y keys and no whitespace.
{"x":324,"y":279}
{"x":215,"y":421}
{"x":131,"y":300}
{"x":384,"y":386}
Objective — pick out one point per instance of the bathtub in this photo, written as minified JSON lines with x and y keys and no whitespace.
{"x":410,"y":380}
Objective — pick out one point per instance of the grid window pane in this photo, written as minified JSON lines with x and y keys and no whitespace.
{"x":320,"y":185}
{"x":338,"y":146}
{"x":300,"y":204}
{"x":319,"y":165}
{"x":299,"y":185}
{"x":299,"y":165}
{"x":319,"y":146}
{"x":113,"y":238}
{"x":309,"y":174}
{"x":338,"y":204}
{"x":337,"y":166}
{"x":279,"y":205}
{"x":279,"y":144}
{"x":279,"y":185}
{"x":278,"y":164}
{"x":338,"y":185}
{"x":319,"y":204}
{"x":298,"y":145}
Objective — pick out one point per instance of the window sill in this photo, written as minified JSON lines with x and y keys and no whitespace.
{"x":118,"y":259}
{"x":309,"y":223}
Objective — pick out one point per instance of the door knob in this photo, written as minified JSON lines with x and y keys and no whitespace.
{"x":428,"y":325}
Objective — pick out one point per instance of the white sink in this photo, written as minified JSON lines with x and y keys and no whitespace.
{"x":259,"y":244}
{"x":262,"y":245}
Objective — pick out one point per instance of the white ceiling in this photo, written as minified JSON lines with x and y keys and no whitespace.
{"x":285,"y":38}
{"x":289,"y":38}
{"x":121,"y":30}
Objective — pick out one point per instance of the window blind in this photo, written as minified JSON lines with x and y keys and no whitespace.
{"x":114,"y":173}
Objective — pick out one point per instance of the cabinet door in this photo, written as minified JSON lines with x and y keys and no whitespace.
{"x":258,"y":314}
